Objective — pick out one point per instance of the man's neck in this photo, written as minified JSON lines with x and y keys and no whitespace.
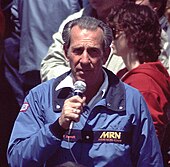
{"x":92,"y":90}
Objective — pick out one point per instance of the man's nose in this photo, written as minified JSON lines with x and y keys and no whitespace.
{"x":85,"y":58}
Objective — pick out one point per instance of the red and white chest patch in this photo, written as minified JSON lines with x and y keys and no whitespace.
{"x":24,"y":107}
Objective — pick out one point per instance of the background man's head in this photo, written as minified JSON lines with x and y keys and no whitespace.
{"x":103,"y":7}
{"x":157,"y":5}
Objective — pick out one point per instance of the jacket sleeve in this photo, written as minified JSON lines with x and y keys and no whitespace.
{"x":31,"y":142}
{"x":145,"y":146}
{"x":54,"y":63}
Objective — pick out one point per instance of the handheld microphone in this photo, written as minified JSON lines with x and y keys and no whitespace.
{"x":79,"y":89}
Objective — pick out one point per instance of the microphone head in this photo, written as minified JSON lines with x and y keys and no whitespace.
{"x":79,"y":86}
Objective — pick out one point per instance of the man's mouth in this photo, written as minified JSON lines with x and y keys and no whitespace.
{"x":84,"y":70}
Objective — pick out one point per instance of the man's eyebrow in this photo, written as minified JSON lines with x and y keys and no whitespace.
{"x":77,"y":47}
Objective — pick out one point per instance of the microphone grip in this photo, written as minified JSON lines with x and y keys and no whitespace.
{"x":78,"y":93}
{"x":70,"y":127}
{"x":72,"y":122}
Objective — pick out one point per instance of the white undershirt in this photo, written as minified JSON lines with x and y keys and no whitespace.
{"x":68,"y":82}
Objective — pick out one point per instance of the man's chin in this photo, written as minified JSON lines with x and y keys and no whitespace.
{"x":84,"y":75}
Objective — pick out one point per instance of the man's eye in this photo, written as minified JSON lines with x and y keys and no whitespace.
{"x":78,"y":51}
{"x":94,"y":52}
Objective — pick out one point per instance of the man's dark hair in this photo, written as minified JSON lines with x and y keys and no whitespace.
{"x":89,"y":23}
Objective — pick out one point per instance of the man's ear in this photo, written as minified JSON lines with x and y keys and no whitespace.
{"x":65,"y":48}
{"x":106,"y":54}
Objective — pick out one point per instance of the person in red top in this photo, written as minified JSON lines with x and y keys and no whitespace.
{"x":136,"y":32}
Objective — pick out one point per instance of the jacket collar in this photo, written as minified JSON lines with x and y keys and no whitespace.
{"x":115,"y":95}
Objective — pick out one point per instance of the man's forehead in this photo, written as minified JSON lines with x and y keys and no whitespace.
{"x":84,"y":36}
{"x":77,"y":30}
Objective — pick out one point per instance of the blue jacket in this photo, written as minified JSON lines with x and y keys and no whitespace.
{"x":117,"y":132}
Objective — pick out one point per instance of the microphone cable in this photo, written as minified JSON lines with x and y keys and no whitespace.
{"x":70,"y":149}
{"x":79,"y":89}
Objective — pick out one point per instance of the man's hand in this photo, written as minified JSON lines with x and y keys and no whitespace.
{"x":72,"y":109}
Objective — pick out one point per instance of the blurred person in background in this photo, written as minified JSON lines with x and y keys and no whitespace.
{"x":137,"y":39}
{"x":8,"y":104}
{"x":35,"y":22}
{"x":159,"y":6}
{"x":168,"y":10}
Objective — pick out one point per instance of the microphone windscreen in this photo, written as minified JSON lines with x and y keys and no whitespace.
{"x":79,"y":86}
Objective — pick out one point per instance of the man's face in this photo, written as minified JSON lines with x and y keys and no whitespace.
{"x":154,"y":5}
{"x":86,"y":55}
